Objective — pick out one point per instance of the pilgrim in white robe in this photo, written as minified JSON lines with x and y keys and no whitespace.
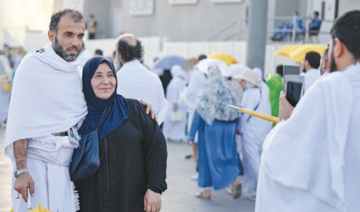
{"x":47,"y":98}
{"x":5,"y":71}
{"x":310,"y":77}
{"x":264,"y":88}
{"x":191,"y":94}
{"x":175,"y":122}
{"x":253,"y":132}
{"x":135,"y":81}
{"x":83,"y":57}
{"x":311,"y":161}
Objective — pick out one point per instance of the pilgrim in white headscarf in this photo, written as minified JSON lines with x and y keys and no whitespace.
{"x":216,"y":124}
{"x":5,"y":78}
{"x":253,"y":130}
{"x":264,"y":88}
{"x":311,"y":159}
{"x":46,"y":100}
{"x":175,"y":122}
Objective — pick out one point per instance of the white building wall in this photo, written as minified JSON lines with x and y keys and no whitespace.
{"x":347,"y":5}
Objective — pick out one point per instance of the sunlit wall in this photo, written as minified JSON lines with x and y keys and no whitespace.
{"x":34,"y":14}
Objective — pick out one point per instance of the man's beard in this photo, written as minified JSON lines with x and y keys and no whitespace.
{"x":60,"y":51}
{"x":333,"y":66}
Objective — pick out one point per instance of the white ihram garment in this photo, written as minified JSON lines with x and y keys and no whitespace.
{"x":191,"y":94}
{"x":311,"y":161}
{"x":310,"y":77}
{"x":48,"y":165}
{"x":175,"y":129}
{"x":135,"y":81}
{"x":253,"y":132}
{"x":46,"y":98}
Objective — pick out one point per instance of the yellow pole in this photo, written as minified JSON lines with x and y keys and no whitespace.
{"x":257,"y":114}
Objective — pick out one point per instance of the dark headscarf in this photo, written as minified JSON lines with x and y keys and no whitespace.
{"x":105,"y":115}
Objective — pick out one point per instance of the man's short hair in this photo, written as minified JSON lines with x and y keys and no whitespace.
{"x":201,"y":57}
{"x":280,"y":70}
{"x":347,"y":29}
{"x":129,"y":52}
{"x":317,"y":13}
{"x":55,"y":18}
{"x":313,"y":58}
{"x":99,"y":52}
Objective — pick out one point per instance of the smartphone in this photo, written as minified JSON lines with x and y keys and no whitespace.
{"x":294,"y":88}
{"x":289,"y":71}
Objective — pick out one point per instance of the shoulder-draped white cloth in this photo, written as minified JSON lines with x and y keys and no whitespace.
{"x":46,"y":98}
{"x":310,"y":77}
{"x":135,"y":81}
{"x":314,"y":156}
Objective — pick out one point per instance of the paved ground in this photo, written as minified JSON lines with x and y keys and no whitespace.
{"x":178,"y":198}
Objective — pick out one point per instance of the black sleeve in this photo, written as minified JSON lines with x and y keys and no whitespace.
{"x":155,"y":152}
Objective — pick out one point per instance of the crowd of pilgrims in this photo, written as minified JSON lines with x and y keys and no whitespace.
{"x":227,"y":144}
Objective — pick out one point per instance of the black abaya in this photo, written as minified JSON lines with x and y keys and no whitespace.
{"x":132,"y":160}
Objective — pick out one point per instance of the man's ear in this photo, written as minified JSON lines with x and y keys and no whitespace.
{"x":306,"y":64}
{"x":51,"y":36}
{"x":339,"y":48}
{"x":120,"y":59}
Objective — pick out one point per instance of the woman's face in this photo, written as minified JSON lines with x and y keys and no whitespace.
{"x":103,"y":81}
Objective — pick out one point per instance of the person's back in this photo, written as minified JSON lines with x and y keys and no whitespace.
{"x":175,"y":122}
{"x":310,"y":78}
{"x":310,"y":66}
{"x":135,"y":80}
{"x":250,"y":125}
{"x":352,"y":150}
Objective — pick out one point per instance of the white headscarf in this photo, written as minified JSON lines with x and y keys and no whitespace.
{"x":238,"y":69}
{"x":177,"y":71}
{"x":259,"y":73}
{"x":46,"y":98}
{"x":214,"y":99}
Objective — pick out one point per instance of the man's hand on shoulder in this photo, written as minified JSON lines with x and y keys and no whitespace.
{"x":149,"y":108}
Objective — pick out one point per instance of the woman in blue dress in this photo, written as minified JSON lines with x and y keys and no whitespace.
{"x":216,"y":125}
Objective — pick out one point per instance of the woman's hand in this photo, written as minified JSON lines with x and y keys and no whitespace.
{"x":152,"y":201}
{"x":285,"y":108}
{"x":149,"y":108}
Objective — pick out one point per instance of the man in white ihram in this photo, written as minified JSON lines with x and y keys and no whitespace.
{"x":135,"y":80}
{"x":47,"y":100}
{"x":310,"y":66}
{"x":311,"y":159}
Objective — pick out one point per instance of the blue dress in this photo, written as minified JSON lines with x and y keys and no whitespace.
{"x":218,"y":158}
